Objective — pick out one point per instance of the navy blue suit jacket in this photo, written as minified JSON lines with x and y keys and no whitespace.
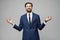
{"x":30,"y":31}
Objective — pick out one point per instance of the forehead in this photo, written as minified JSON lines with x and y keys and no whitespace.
{"x":28,"y":4}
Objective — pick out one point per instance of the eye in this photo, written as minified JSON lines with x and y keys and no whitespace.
{"x":26,"y":6}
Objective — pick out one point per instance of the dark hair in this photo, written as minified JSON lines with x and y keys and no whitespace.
{"x":28,"y":3}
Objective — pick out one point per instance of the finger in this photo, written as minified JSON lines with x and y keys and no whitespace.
{"x":8,"y":20}
{"x":49,"y":17}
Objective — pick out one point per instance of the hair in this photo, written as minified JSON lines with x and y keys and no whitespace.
{"x":28,"y":3}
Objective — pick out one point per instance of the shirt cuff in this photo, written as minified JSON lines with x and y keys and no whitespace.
{"x":45,"y":23}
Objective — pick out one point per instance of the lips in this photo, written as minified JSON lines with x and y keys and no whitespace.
{"x":28,"y":9}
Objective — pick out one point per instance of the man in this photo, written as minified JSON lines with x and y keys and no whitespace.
{"x":30,"y":23}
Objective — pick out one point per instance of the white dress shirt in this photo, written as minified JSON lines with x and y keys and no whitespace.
{"x":30,"y":16}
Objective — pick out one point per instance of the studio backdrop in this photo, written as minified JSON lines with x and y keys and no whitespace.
{"x":15,"y":8}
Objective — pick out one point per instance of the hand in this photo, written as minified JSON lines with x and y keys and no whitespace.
{"x":48,"y":19}
{"x":10,"y":21}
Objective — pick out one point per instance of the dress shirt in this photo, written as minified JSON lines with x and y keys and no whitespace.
{"x":30,"y":16}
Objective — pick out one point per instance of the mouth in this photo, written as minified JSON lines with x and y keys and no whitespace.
{"x":28,"y":10}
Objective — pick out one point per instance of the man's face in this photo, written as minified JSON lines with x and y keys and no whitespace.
{"x":28,"y":8}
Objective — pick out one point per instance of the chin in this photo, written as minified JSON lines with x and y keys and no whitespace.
{"x":28,"y":11}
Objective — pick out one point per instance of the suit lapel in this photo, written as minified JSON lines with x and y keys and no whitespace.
{"x":32,"y":17}
{"x":26,"y":18}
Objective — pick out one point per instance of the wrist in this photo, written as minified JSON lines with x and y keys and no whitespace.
{"x":45,"y":21}
{"x":12,"y":23}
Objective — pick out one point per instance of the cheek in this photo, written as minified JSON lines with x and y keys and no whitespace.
{"x":26,"y":8}
{"x":30,"y":7}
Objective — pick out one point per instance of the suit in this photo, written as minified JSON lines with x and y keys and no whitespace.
{"x":30,"y":31}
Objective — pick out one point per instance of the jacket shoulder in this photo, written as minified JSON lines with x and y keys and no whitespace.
{"x":23,"y":15}
{"x":35,"y":14}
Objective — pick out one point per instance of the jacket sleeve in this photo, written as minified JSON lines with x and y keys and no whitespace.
{"x":19,"y":28}
{"x":40,"y":26}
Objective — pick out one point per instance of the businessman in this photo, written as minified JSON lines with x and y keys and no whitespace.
{"x":30,"y":23}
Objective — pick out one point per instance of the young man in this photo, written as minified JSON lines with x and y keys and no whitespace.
{"x":30,"y":23}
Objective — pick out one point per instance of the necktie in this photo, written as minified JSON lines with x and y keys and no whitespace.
{"x":29,"y":19}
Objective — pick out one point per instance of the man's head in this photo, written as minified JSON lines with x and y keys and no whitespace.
{"x":28,"y":7}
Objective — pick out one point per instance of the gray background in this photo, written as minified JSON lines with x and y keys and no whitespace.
{"x":15,"y":8}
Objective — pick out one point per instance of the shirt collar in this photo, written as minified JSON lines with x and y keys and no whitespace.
{"x":30,"y":13}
